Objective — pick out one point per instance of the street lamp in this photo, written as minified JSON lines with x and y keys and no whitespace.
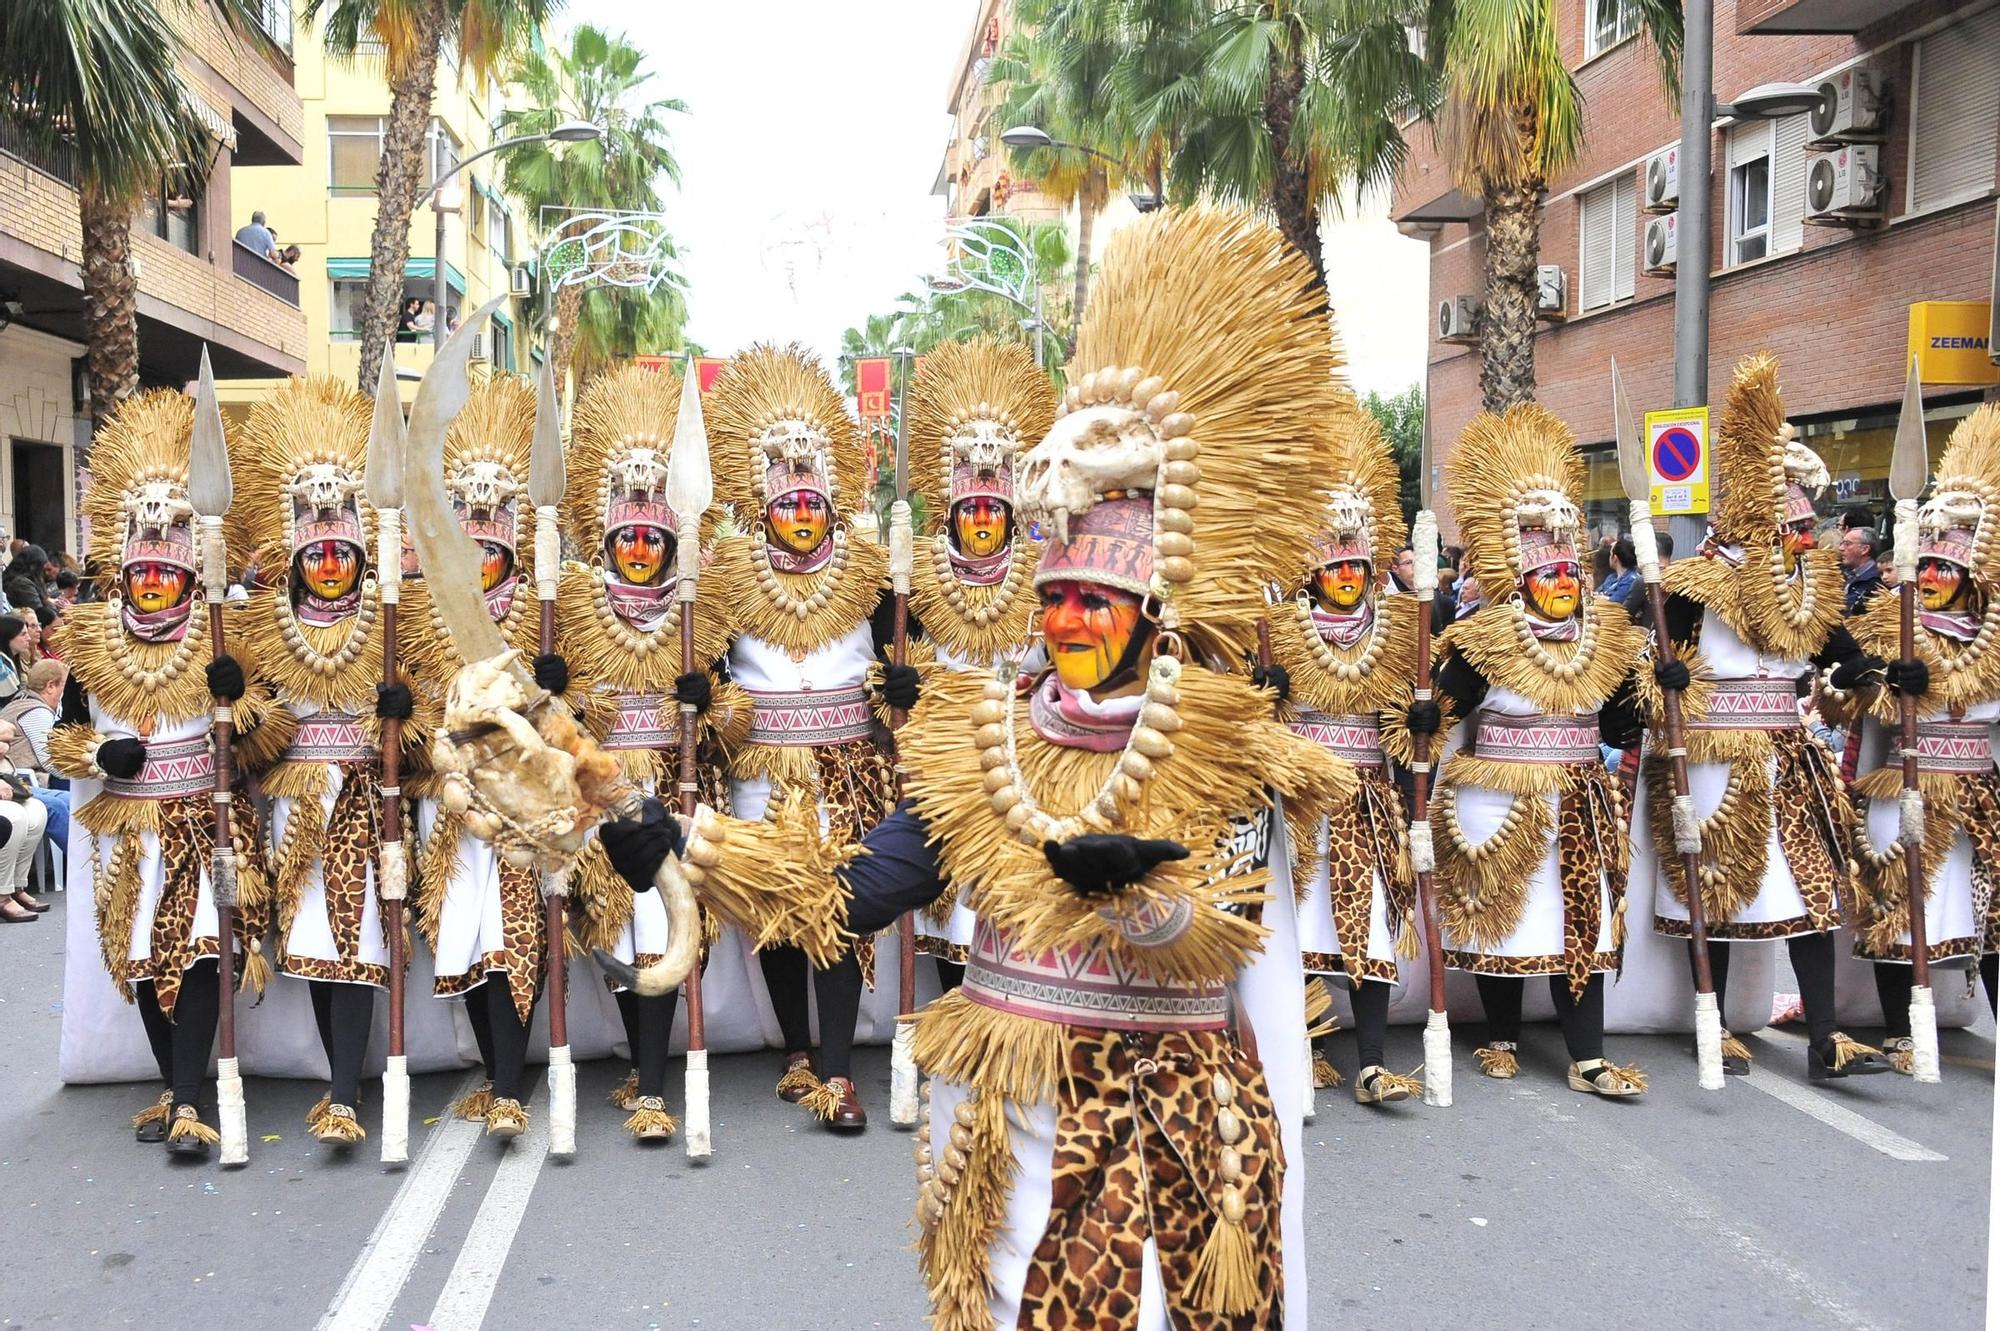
{"x":982,"y":240}
{"x":446,"y":197}
{"x":1028,"y":138}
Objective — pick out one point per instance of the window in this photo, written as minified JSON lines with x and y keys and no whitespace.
{"x":1954,"y":134}
{"x":1749,"y":233}
{"x":502,"y":350}
{"x":475,"y":211}
{"x":441,"y":149}
{"x":349,"y":299}
{"x":1607,"y":223}
{"x":499,"y":233}
{"x":355,"y":152}
{"x":1607,"y":23}
{"x":173,"y":213}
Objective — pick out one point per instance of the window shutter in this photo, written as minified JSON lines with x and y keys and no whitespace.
{"x":1788,"y":183}
{"x":1956,"y":126}
{"x":1624,"y":226}
{"x":1594,"y":263}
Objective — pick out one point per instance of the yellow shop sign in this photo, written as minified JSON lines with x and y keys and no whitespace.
{"x":1953,"y":342}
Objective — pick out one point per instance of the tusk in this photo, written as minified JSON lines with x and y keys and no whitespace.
{"x":683,"y":938}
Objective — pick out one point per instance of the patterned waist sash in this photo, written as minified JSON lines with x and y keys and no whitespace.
{"x":1085,"y":987}
{"x":645,"y":721}
{"x":330,"y":737}
{"x":174,"y":770}
{"x":1358,"y":739}
{"x":1538,"y":739}
{"x":810,"y":718}
{"x":1954,"y":746}
{"x":1751,"y":704}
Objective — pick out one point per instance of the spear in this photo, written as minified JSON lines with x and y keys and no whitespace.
{"x":1437,"y":1026}
{"x":545,"y":492}
{"x":903,"y":1049}
{"x":690,"y":490}
{"x":392,"y":875}
{"x":1638,"y":484}
{"x":1909,"y":469}
{"x":209,"y":494}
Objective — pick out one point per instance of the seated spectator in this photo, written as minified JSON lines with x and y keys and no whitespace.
{"x":11,"y":629}
{"x":258,"y":238}
{"x":26,"y":580}
{"x":67,"y":583}
{"x":24,"y":822}
{"x":32,"y":714}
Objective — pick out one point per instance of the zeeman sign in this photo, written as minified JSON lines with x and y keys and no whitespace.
{"x":1952,"y":341}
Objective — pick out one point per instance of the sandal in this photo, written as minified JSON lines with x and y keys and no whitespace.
{"x":188,"y":1136}
{"x":1376,"y":1085}
{"x":1735,"y":1056}
{"x":1498,"y":1060}
{"x":1901,"y":1052}
{"x":149,"y":1125}
{"x":650,"y":1121}
{"x":1600,"y":1076}
{"x":1843,"y":1056}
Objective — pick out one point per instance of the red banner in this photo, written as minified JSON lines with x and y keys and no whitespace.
{"x":871,"y":389}
{"x":705,"y":366}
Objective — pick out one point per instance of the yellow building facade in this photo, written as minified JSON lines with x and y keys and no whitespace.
{"x":326,"y":206}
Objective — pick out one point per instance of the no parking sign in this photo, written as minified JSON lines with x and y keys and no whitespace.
{"x":1677,"y":458}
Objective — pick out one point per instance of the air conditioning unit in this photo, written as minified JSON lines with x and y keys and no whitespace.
{"x":1663,"y":180}
{"x":1551,"y":291}
{"x":1851,"y":109}
{"x":479,"y":347}
{"x":1458,"y":319}
{"x":1663,"y":243}
{"x":1845,"y":185}
{"x":523,"y":283}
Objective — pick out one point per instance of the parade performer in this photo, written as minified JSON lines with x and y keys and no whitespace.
{"x":1531,"y":840}
{"x":1349,"y":655}
{"x":306,"y":523}
{"x":140,"y":755}
{"x":975,"y":407}
{"x":804,"y":587}
{"x":618,"y":625}
{"x":1755,"y":613}
{"x":482,"y":918}
{"x":1102,"y":1143}
{"x":1958,"y":568}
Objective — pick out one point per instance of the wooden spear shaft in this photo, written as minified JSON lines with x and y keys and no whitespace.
{"x":225,"y":845}
{"x":558,"y":955}
{"x":392,"y":830}
{"x":1677,"y":762}
{"x":697,"y":1029}
{"x":1913,"y":850}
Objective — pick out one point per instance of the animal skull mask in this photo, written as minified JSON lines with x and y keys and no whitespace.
{"x":1087,"y":455}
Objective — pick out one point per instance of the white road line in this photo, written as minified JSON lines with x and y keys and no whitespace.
{"x":378,"y":1275}
{"x":1651,"y":1179}
{"x":1864,"y":1130}
{"x":468,"y":1291}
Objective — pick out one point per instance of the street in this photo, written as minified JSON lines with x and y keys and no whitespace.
{"x":1524,"y":1205}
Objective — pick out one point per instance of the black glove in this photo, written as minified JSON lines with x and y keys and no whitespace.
{"x":1912,"y":679}
{"x":1101,"y":865}
{"x":225,"y":678}
{"x":1671,"y":674}
{"x":1275,"y":677}
{"x":1424,"y":718}
{"x":552,"y":673}
{"x":121,"y":758}
{"x":694,"y":690}
{"x":899,"y":686}
{"x":638,"y":847}
{"x":1852,"y":672}
{"x":393,"y":702}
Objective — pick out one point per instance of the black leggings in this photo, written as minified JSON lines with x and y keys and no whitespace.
{"x":345,"y":1015}
{"x":1892,"y":986}
{"x":649,"y":1028}
{"x":1812,"y":962}
{"x":506,"y":1035}
{"x":951,"y":974}
{"x":838,"y":988}
{"x":181,"y":1044}
{"x":1371,"y":1021}
{"x":1582,"y":1018}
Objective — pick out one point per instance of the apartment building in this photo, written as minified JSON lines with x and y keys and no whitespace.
{"x":196,"y":286}
{"x":1830,"y":239}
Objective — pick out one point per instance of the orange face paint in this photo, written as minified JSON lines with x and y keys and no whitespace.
{"x":798,"y":521}
{"x":1088,"y":629}
{"x":640,"y":553}
{"x":1554,"y":590}
{"x":153,"y":587}
{"x":1341,"y":586}
{"x":1941,"y":585}
{"x":330,"y":568}
{"x":496,"y":561}
{"x":981,"y":524}
{"x":1795,"y":540}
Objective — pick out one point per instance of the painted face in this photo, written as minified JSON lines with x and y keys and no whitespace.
{"x":1794,"y":540}
{"x":798,"y":521}
{"x":496,"y":562}
{"x":1554,"y":590}
{"x":1089,"y":629}
{"x":1942,"y":585}
{"x":640,"y":553}
{"x":153,"y":587}
{"x":330,"y":568}
{"x":981,"y":525}
{"x":1341,"y":586}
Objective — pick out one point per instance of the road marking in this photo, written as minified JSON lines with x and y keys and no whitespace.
{"x":378,"y":1275}
{"x":1650,"y":1178}
{"x":468,"y":1291}
{"x":1967,"y":1061}
{"x":1867,"y":1131}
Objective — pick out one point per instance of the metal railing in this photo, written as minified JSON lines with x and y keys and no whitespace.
{"x":261,"y":273}
{"x":22,"y":142}
{"x":275,"y":18}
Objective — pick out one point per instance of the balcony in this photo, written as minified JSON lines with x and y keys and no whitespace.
{"x":48,"y":156}
{"x":261,"y":273}
{"x":1770,"y":18}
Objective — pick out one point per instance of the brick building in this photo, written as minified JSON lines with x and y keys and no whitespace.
{"x":196,"y":285}
{"x":1834,"y":302}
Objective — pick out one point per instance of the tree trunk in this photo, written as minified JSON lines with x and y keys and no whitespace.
{"x":399,"y":184}
{"x":1291,"y":188}
{"x":562,"y":341}
{"x":1086,"y":218}
{"x":110,"y":303}
{"x":1507,"y":325}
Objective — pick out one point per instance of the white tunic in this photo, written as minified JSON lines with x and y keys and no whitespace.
{"x":311,"y":936}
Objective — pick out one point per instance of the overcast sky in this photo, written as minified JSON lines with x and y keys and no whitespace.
{"x":814,"y":132}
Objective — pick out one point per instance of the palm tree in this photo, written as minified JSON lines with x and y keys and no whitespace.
{"x":95,"y":80}
{"x":410,"y":34}
{"x":599,"y":79}
{"x":1488,"y":75}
